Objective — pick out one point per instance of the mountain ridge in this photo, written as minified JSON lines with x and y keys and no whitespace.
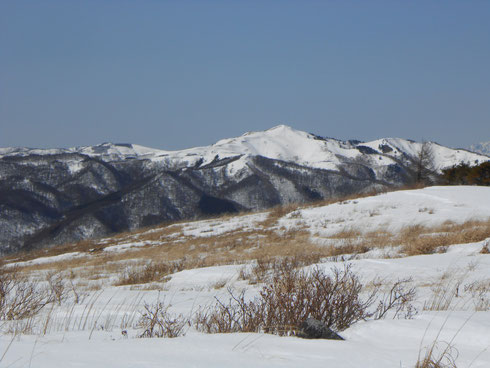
{"x":287,"y":145}
{"x":481,"y":148}
{"x":53,"y":196}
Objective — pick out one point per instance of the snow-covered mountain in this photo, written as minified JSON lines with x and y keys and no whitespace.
{"x":279,"y":143}
{"x":481,"y":148}
{"x":50,"y":196}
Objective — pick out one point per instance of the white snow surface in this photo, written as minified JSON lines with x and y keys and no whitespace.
{"x":44,"y":260}
{"x":370,"y":344}
{"x":394,"y":211}
{"x":374,"y":343}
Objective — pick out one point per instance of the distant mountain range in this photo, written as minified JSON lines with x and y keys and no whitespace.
{"x":53,"y":196}
{"x":482,"y":148}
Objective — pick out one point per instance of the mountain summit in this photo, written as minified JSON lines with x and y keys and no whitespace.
{"x":52,"y":196}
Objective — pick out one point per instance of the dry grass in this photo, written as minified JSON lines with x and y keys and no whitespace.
{"x":260,"y":241}
{"x":439,"y":354}
{"x":162,"y":233}
{"x":153,"y":272}
{"x":421,"y":240}
{"x":415,"y":240}
{"x":243,"y":245}
{"x":436,"y":357}
{"x":350,"y":233}
{"x":485,"y":249}
{"x":443,"y":295}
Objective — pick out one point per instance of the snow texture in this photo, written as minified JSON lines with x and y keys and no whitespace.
{"x":371,"y":344}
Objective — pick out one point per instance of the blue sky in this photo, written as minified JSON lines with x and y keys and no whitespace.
{"x":178,"y":74}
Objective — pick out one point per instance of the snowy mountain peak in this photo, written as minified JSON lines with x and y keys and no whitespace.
{"x":137,"y":186}
{"x":280,"y":142}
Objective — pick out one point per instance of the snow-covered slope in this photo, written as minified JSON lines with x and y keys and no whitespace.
{"x":481,"y":148}
{"x":94,"y":332}
{"x":395,"y":211}
{"x":279,"y":143}
{"x":106,"y":151}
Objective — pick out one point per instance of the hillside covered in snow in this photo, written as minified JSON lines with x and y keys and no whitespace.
{"x":481,"y":148}
{"x":56,"y":196}
{"x":433,"y":243}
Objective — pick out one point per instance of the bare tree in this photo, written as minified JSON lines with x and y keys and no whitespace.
{"x":423,"y":164}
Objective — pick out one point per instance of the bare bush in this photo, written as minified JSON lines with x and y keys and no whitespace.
{"x":480,"y":294}
{"x":156,"y":321}
{"x":150,"y":273}
{"x":290,"y":298}
{"x":19,"y":297}
{"x":266,"y":267}
{"x":398,"y":300}
{"x":56,"y":286}
{"x":236,"y":316}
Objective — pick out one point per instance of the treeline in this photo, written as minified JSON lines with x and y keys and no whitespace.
{"x":464,"y":174}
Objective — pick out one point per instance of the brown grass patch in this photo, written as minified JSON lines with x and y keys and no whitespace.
{"x":243,"y":245}
{"x":153,"y":272}
{"x":347,"y":234}
{"x":264,"y":241}
{"x":422,"y":240}
{"x":415,"y":240}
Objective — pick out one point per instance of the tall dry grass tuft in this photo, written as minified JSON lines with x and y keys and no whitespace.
{"x":436,"y":357}
{"x":439,"y":354}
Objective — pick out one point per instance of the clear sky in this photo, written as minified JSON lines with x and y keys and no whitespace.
{"x":178,"y":74}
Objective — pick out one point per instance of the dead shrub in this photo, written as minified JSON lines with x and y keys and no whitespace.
{"x":19,"y":297}
{"x":265,"y":267}
{"x":152,"y":272}
{"x":398,"y":299}
{"x":236,"y":316}
{"x":290,"y":298}
{"x":156,"y":321}
{"x":480,"y":294}
{"x":56,"y":286}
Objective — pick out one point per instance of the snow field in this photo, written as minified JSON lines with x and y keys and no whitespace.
{"x":90,"y":333}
